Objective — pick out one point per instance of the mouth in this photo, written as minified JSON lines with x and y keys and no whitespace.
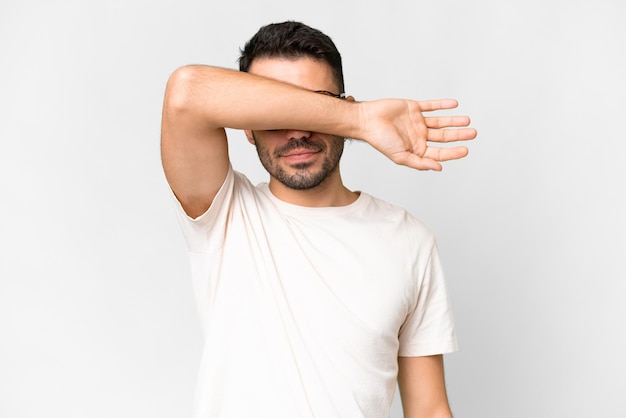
{"x":299,"y":147}
{"x":299,"y":155}
{"x":299,"y":151}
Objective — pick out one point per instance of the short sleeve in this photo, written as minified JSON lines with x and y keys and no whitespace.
{"x":195,"y":230}
{"x":429,"y":326}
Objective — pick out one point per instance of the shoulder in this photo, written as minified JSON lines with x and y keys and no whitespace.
{"x":236,"y":186}
{"x":390,"y":213}
{"x":393,"y":223}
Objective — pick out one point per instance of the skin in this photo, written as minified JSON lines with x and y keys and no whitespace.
{"x":281,"y":115}
{"x":422,"y":387}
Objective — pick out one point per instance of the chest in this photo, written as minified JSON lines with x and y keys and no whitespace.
{"x":322,"y":274}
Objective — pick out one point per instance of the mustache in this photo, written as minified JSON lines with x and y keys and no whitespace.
{"x":302,"y":143}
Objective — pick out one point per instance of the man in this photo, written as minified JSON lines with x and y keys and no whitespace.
{"x":314,"y":299}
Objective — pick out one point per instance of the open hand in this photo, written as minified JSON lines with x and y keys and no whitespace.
{"x":398,"y":129}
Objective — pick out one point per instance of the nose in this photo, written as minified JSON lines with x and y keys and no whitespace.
{"x":297,"y":134}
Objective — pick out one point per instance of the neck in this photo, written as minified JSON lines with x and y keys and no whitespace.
{"x":330,"y":193}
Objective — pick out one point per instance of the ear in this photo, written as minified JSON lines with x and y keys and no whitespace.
{"x":250,"y":136}
{"x":350,"y":99}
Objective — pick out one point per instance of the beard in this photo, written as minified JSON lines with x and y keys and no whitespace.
{"x":305,"y":177}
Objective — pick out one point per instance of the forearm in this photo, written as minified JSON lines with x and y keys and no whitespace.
{"x":223,"y":98}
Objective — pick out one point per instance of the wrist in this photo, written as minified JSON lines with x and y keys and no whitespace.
{"x":355,"y":118}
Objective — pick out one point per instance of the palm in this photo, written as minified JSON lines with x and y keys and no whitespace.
{"x":398,"y":129}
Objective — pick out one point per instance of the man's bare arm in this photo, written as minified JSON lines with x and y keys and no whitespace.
{"x":422,"y":387}
{"x":200,"y":101}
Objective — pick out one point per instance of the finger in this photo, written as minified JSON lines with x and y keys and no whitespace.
{"x":451,"y":135}
{"x":446,"y":121}
{"x":415,"y":161}
{"x":445,"y":154}
{"x":430,"y":105}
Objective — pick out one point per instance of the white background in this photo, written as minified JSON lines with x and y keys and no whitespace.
{"x":96,"y":309}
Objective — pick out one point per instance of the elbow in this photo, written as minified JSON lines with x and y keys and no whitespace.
{"x":179,"y":90}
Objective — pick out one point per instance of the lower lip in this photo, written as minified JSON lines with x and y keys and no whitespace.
{"x":299,"y":158}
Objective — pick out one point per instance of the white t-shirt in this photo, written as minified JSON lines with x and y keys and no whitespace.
{"x":305,"y":310}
